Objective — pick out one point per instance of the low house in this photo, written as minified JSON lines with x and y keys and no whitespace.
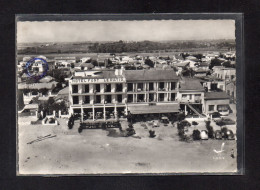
{"x":64,"y":61}
{"x":29,"y":110}
{"x":216,"y":102}
{"x":33,"y":90}
{"x":190,"y":91}
{"x":190,"y":96}
{"x":180,"y":65}
{"x":224,"y":73}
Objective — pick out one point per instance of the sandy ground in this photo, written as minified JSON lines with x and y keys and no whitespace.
{"x":97,"y":151}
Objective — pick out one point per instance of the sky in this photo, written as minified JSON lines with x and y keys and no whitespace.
{"x":154,"y":30}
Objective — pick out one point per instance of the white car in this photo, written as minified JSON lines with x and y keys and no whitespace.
{"x":204,"y":135}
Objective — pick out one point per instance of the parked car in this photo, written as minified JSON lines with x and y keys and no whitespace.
{"x":165,"y":120}
{"x":204,"y":135}
{"x":226,"y":121}
{"x":216,"y":116}
{"x":230,"y":135}
{"x":218,"y":134}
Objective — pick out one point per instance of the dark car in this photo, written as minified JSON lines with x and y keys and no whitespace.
{"x":225,"y":121}
{"x":230,"y":135}
{"x":218,"y":134}
{"x":216,"y":116}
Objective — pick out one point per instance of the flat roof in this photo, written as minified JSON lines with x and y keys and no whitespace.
{"x":146,"y":109}
{"x":99,"y":74}
{"x":150,"y":75}
{"x":49,"y":85}
{"x":215,"y":95}
{"x":31,"y":106}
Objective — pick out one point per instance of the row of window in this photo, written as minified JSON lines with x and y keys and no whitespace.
{"x":130,"y":98}
{"x":107,"y":88}
{"x":130,"y":87}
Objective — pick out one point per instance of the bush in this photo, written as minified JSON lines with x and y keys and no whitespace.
{"x":196,"y":135}
{"x":186,"y":123}
{"x":210,"y":132}
{"x":207,"y":123}
{"x":180,"y":116}
{"x":152,"y":133}
{"x":210,"y":129}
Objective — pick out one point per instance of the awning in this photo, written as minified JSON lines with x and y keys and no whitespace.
{"x":146,"y":109}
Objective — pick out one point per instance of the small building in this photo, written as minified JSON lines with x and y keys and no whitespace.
{"x":33,"y":90}
{"x":224,"y":73}
{"x":191,"y":94}
{"x":29,"y":110}
{"x":216,"y":102}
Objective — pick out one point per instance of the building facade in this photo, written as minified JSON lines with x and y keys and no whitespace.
{"x":114,"y":93}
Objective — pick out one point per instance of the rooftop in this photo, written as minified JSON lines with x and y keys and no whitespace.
{"x":49,"y":85}
{"x":216,"y":95}
{"x":150,"y":75}
{"x":187,"y":84}
{"x":97,"y":74}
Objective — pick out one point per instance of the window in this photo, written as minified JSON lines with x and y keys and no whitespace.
{"x":161,"y":97}
{"x":119,"y":87}
{"x":173,"y":95}
{"x":222,"y":107}
{"x":140,"y":97}
{"x":151,"y":86}
{"x":75,"y":100}
{"x":211,"y":107}
{"x":87,"y":88}
{"x":140,"y":86}
{"x":130,"y":98}
{"x":87,"y":100}
{"x":119,"y":98}
{"x":108,"y":99}
{"x":161,"y":85}
{"x":184,"y":96}
{"x":97,"y":87}
{"x":107,"y":87}
{"x":98,"y":99}
{"x":173,"y":85}
{"x":151,"y":97}
{"x":75,"y":89}
{"x":130,"y":87}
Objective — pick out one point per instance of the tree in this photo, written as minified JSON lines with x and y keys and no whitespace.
{"x":210,"y":129}
{"x":72,"y":65}
{"x":214,"y":62}
{"x":227,"y":64}
{"x":149,"y":62}
{"x":188,"y":72}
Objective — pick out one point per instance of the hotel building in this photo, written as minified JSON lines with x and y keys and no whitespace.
{"x":103,"y":94}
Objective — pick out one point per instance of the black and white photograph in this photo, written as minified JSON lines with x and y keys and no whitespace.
{"x":126,"y":96}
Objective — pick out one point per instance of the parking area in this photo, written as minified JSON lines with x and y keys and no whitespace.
{"x":96,"y":151}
